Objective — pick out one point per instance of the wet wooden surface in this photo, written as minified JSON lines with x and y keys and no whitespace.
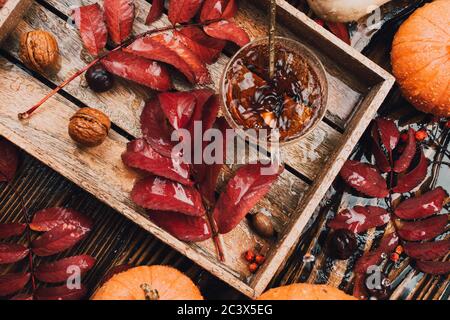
{"x":115,"y":240}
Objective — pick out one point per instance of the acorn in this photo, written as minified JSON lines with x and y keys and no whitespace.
{"x":263,"y":225}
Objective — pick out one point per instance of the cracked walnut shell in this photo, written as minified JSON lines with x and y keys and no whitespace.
{"x":89,"y":127}
{"x":39,"y":51}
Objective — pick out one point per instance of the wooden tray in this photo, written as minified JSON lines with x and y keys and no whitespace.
{"x":357,"y":88}
{"x":11,"y":14}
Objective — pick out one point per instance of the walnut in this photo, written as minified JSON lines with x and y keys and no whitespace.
{"x":39,"y":51}
{"x":89,"y":127}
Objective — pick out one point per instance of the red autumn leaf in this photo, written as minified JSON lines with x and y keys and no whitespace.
{"x":377,"y":150}
{"x":178,"y":107}
{"x":47,"y":219}
{"x":207,"y":174}
{"x":428,"y":250}
{"x":218,"y":9}
{"x":339,"y":30}
{"x":9,"y":160}
{"x":183,"y":227}
{"x":11,"y":229}
{"x":60,"y":293}
{"x":10,"y":253}
{"x":388,"y":133}
{"x":365,"y":178}
{"x":22,"y":297}
{"x":151,"y":49}
{"x":156,"y":193}
{"x":141,"y":155}
{"x":227,"y":30}
{"x":155,"y":12}
{"x":423,"y":206}
{"x":249,"y":185}
{"x":434,"y":267}
{"x":60,"y":270}
{"x":373,"y":258}
{"x":403,"y":163}
{"x":58,"y":239}
{"x":119,"y":17}
{"x":13,"y":282}
{"x":413,"y":178}
{"x":90,"y":21}
{"x":181,"y":11}
{"x":156,"y":130}
{"x":143,"y":71}
{"x":360,"y":219}
{"x":208,"y":49}
{"x":201,"y":112}
{"x":359,"y":288}
{"x":422,"y":230}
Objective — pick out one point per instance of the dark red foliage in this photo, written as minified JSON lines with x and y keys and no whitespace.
{"x":181,"y":11}
{"x":155,"y":12}
{"x":227,"y":30}
{"x":140,"y":70}
{"x":373,"y":258}
{"x":422,"y":230}
{"x":249,"y":185}
{"x":178,"y":107}
{"x":13,"y":282}
{"x":365,"y":178}
{"x":413,"y":178}
{"x":22,"y":297}
{"x":9,"y":160}
{"x":427,"y":250}
{"x":149,"y":48}
{"x":11,"y":229}
{"x":140,"y":155}
{"x":422,"y":206}
{"x":201,"y":112}
{"x":119,"y":16}
{"x":60,"y":293}
{"x":10,"y":253}
{"x":208,"y":49}
{"x":405,"y":159}
{"x":182,"y":227}
{"x":156,"y":130}
{"x":388,"y":133}
{"x":156,"y":193}
{"x":339,"y":30}
{"x":47,"y":219}
{"x":434,"y":267}
{"x":218,"y":9}
{"x":90,"y":21}
{"x":360,"y":219}
{"x":59,"y":271}
{"x":58,"y":239}
{"x":381,"y":158}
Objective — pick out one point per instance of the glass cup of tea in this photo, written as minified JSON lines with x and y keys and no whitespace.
{"x":287,"y":106}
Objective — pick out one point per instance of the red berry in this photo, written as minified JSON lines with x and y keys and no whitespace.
{"x":260,"y":259}
{"x":399,"y":250}
{"x":395,"y":257}
{"x":249,"y":256}
{"x":447,"y":124}
{"x":421,"y":135}
{"x":404,"y":137}
{"x":253,"y":267}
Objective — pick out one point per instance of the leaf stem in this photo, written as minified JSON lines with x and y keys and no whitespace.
{"x":25,"y":115}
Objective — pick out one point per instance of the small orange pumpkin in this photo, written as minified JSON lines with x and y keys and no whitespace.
{"x":149,"y":283}
{"x":305,"y":291}
{"x":421,"y":58}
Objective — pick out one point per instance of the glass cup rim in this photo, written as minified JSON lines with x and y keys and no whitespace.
{"x":313,"y":61}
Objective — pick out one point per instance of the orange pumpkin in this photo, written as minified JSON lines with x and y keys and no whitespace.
{"x":304,"y":291}
{"x":149,"y":283}
{"x":420,"y":58}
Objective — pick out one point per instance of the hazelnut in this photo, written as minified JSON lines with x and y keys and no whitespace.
{"x":89,"y":127}
{"x":39,"y":51}
{"x":263,"y":225}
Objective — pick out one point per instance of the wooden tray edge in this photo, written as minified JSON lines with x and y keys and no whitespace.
{"x":15,"y":9}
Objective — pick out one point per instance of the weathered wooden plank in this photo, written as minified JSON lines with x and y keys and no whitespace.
{"x":101,"y":172}
{"x":305,"y":157}
{"x":10,"y":15}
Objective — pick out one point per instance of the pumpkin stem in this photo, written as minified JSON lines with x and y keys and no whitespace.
{"x":150,"y":294}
